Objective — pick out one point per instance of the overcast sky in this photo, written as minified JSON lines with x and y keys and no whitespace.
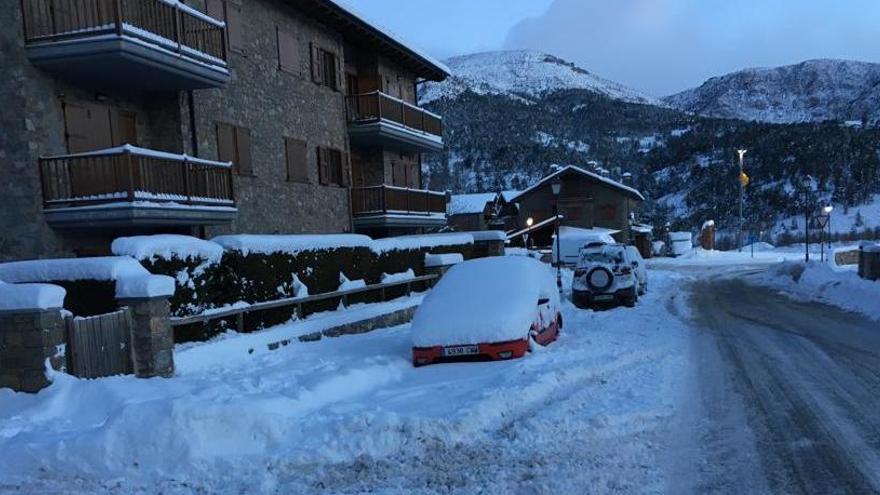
{"x":657,"y":46}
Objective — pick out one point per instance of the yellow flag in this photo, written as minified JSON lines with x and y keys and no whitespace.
{"x":744,"y":179}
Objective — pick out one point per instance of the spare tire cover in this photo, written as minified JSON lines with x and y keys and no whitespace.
{"x":600,"y":278}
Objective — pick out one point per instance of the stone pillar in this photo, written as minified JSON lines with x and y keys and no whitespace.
{"x":152,"y":338}
{"x":27,"y":339}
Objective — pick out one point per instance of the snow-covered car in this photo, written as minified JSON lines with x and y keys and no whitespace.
{"x":487,"y":309}
{"x":605,"y":274}
{"x":639,"y":267}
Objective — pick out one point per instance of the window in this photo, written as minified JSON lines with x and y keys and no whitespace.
{"x":234,"y":145}
{"x":326,"y":68}
{"x":228,"y":11}
{"x":288,"y":52}
{"x":332,"y":167}
{"x":296,"y":153}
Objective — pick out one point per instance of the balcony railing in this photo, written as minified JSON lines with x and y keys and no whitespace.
{"x":385,"y":200}
{"x":377,"y":106}
{"x":129,"y":173}
{"x":164,"y":23}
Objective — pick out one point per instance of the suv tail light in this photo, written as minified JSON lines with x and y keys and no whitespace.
{"x":625,"y":271}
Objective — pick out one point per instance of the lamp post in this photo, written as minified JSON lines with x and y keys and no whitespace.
{"x":828,"y":209}
{"x":823,"y":220}
{"x":807,"y":185}
{"x":742,"y":186}
{"x":529,"y":222}
{"x":556,"y":186}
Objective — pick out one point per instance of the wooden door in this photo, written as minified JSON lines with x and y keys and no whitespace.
{"x":124,"y":128}
{"x":87,"y":126}
{"x":100,"y":345}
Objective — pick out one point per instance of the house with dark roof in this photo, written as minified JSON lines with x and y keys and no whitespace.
{"x":206,"y":117}
{"x":585,"y":200}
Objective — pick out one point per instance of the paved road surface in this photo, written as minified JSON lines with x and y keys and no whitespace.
{"x":804,"y":378}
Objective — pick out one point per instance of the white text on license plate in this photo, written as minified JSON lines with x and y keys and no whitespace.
{"x":461,"y":350}
{"x":604,"y":297}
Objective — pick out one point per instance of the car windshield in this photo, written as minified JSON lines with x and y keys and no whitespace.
{"x":604,"y":254}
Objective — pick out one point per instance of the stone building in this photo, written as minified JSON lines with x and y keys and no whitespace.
{"x":586,"y":200}
{"x":127,"y":117}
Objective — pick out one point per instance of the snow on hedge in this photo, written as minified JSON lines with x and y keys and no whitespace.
{"x":15,"y":297}
{"x":485,"y":300}
{"x":427,"y":241}
{"x":290,"y":244}
{"x":144,"y":286}
{"x":448,"y":259}
{"x":346,"y":284}
{"x":71,"y":269}
{"x":166,"y":247}
{"x":388,"y":278}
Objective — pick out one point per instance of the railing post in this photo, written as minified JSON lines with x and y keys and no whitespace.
{"x":424,"y":127}
{"x":117,"y":4}
{"x":130,"y":165}
{"x":24,"y":20}
{"x":186,"y":185}
{"x":379,"y":104}
{"x":177,"y":37}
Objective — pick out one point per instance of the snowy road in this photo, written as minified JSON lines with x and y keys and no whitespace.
{"x":795,"y":383}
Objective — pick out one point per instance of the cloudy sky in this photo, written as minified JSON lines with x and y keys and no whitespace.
{"x":657,"y":46}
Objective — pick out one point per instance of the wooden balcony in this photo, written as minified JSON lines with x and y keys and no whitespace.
{"x":376,"y":119}
{"x":390,"y":206}
{"x":146,"y":45}
{"x":130,"y":186}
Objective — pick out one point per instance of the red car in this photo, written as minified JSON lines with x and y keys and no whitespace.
{"x":487,"y":309}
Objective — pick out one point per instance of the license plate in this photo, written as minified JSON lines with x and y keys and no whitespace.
{"x":461,"y":350}
{"x":604,"y":297}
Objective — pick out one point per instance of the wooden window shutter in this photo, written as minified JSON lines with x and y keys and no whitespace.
{"x":297,"y":159}
{"x":243,"y":151}
{"x":288,"y":52}
{"x":226,"y":143}
{"x":317,"y":64}
{"x":216,"y":9}
{"x":234,"y":25}
{"x":344,"y":170}
{"x":76,"y":124}
{"x":340,"y":73}
{"x":323,"y":166}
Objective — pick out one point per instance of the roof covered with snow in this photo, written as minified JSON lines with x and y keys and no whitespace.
{"x":634,"y":193}
{"x":466,"y":204}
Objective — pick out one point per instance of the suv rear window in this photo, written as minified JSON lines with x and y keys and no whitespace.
{"x":604,"y":254}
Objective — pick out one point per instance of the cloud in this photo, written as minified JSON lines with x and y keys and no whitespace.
{"x":665,"y":46}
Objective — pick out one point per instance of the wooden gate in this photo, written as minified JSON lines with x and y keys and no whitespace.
{"x":100,"y":345}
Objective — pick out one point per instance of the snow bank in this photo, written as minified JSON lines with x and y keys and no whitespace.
{"x":71,"y":269}
{"x":822,"y":282}
{"x":420,"y":242}
{"x":144,"y":286}
{"x":290,"y":244}
{"x":448,"y":259}
{"x":488,"y":235}
{"x":483,"y":301}
{"x":388,"y":278}
{"x":166,"y":247}
{"x":15,"y":297}
{"x":346,"y":284}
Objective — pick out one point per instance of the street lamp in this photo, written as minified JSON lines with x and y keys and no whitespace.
{"x":742,"y":185}
{"x":556,"y":186}
{"x":828,"y":209}
{"x":807,"y":185}
{"x":529,"y":222}
{"x":822,"y":221}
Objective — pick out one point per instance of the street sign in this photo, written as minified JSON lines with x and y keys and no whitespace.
{"x":822,"y":221}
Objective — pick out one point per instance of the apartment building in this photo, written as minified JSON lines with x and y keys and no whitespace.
{"x":206,"y":117}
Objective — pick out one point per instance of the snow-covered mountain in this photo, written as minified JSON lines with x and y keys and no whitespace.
{"x":812,"y":91}
{"x":523,"y":74}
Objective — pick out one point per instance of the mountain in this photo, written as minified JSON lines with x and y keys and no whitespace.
{"x":509,"y":117}
{"x":524,"y":74}
{"x":812,"y":91}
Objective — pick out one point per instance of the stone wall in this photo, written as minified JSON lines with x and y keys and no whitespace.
{"x":27,"y":340}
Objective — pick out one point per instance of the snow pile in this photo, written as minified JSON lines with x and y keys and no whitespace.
{"x":523,"y":74}
{"x":483,"y":301}
{"x":70,"y":269}
{"x":388,"y":278}
{"x":573,"y":239}
{"x":167,"y":247}
{"x":822,"y":282}
{"x":15,"y":297}
{"x":446,"y":259}
{"x":290,"y":244}
{"x":488,"y":235}
{"x":682,"y":242}
{"x":427,"y":241}
{"x":346,"y":284}
{"x":144,"y":286}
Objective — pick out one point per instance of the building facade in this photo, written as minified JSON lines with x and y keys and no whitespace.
{"x":215,"y":116}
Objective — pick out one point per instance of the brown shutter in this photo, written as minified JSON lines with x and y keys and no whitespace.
{"x":243,"y":151}
{"x":323,"y":166}
{"x":288,"y":52}
{"x":297,"y":159}
{"x":345,"y":170}
{"x":234,"y":25}
{"x":214,"y":8}
{"x":124,"y":127}
{"x":340,"y":73}
{"x":317,"y":64}
{"x":76,"y":123}
{"x":226,"y":143}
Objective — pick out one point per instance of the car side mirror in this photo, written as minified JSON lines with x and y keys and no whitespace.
{"x":543,"y":301}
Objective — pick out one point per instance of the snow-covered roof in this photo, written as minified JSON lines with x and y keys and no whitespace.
{"x":484,"y":301}
{"x":341,"y":8}
{"x":167,"y":246}
{"x":642,"y":228}
{"x":575,"y":169}
{"x":466,"y":204}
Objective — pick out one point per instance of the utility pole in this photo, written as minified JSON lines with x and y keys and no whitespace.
{"x":743,"y":181}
